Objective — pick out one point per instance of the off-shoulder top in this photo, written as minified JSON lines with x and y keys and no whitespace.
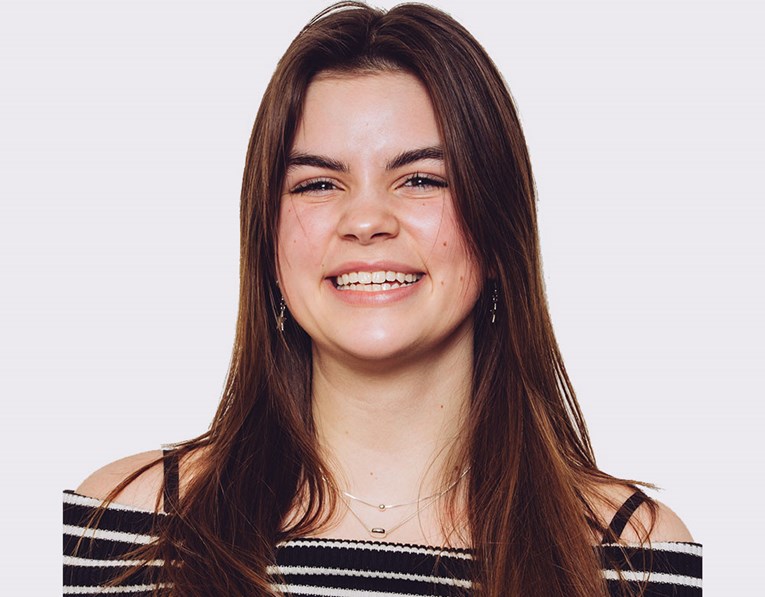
{"x":344,"y":568}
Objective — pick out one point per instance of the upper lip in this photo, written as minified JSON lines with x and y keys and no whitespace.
{"x":372,"y":266}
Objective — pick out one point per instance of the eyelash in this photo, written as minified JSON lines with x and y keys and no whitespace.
{"x":426,"y":181}
{"x":317,"y":183}
{"x":312,"y":185}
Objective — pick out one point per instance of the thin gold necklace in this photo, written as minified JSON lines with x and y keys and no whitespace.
{"x":385,"y":507}
{"x":382,"y":532}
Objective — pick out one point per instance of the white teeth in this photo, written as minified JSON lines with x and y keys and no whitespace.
{"x":375,"y":281}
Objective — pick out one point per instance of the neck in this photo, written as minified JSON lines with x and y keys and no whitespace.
{"x":388,"y":431}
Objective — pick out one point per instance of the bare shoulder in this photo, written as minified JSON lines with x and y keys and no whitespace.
{"x":656,"y":524}
{"x":667,"y":527}
{"x":141,"y":493}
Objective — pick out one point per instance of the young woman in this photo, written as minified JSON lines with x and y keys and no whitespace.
{"x":397,"y":418}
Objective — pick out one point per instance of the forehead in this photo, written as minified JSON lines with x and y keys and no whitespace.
{"x":366,"y":111}
{"x":383,"y":83}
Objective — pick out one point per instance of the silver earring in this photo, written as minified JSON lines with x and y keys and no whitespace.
{"x":494,"y":297}
{"x":282,"y":314}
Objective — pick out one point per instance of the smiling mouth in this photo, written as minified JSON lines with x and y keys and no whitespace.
{"x":375,"y":281}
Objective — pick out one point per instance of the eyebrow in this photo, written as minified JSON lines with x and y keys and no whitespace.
{"x":415,"y":155}
{"x":318,"y":161}
{"x":403,"y":159}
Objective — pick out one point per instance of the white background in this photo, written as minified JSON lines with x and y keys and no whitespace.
{"x":123,"y":128}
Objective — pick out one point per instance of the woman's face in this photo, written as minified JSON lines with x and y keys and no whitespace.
{"x":371,"y":260}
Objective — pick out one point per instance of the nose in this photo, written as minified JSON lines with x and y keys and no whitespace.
{"x":367,"y":217}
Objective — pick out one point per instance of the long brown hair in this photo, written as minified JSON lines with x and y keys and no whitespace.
{"x":529,"y":511}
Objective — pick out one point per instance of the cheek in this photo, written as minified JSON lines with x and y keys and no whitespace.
{"x":451,"y":259}
{"x":305,"y":234}
{"x":297,"y":239}
{"x":291,"y":255}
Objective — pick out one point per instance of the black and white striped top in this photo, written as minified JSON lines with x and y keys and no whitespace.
{"x":340,"y":568}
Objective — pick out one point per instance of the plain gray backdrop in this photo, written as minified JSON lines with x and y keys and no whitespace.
{"x":123,"y":128}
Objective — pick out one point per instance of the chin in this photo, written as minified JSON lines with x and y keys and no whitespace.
{"x":384,"y":350}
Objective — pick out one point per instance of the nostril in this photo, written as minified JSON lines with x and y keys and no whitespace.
{"x":367,"y":221}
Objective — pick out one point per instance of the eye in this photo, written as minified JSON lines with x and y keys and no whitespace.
{"x":316,"y":185}
{"x":425,"y":181}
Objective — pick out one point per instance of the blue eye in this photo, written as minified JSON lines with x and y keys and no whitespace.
{"x":313,"y":186}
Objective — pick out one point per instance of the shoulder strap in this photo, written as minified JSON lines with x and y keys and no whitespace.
{"x":170,"y":491}
{"x":622,"y":516}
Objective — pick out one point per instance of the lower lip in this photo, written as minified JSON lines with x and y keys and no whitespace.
{"x":377,"y":297}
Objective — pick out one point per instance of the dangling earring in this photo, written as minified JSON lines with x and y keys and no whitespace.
{"x":282,"y":314}
{"x":494,"y":297}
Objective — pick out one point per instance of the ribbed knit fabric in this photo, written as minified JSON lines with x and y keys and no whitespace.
{"x":340,"y":568}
